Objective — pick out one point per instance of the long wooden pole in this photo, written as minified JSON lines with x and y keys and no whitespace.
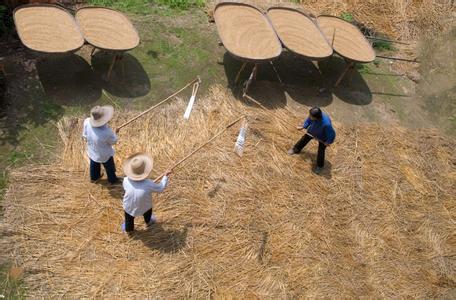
{"x":274,"y":116}
{"x":160,"y":103}
{"x":200,"y":147}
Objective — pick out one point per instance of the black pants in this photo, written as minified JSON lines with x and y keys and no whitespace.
{"x":109,"y":166}
{"x":321,"y":149}
{"x":130,"y":220}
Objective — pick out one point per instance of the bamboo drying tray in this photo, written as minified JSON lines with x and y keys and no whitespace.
{"x":107,"y":29}
{"x":347,"y":39}
{"x":47,"y":28}
{"x":299,"y":33}
{"x":246,"y":32}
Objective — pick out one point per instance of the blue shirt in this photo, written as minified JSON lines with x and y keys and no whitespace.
{"x":321,"y":129}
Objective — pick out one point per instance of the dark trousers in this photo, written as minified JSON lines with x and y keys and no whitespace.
{"x":321,"y":149}
{"x":130,"y":220}
{"x":110,"y":167}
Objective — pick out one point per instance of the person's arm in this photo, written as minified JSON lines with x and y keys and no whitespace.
{"x":112,"y":137}
{"x":307,"y":123}
{"x":330,"y":134}
{"x":159,"y":187}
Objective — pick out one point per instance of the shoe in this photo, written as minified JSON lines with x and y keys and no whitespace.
{"x":118,"y":181}
{"x":291,"y":151}
{"x":318,"y":170}
{"x":152,"y":221}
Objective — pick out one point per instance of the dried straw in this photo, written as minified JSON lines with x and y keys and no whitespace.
{"x":47,"y":28}
{"x":380,"y":223}
{"x":107,"y":29}
{"x":246,"y":32}
{"x":299,"y":33}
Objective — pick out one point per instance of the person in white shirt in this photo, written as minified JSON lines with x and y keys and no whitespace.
{"x":137,"y":200}
{"x":100,"y":139}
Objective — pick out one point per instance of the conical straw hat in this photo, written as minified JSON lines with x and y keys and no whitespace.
{"x":47,"y":28}
{"x":348,"y":42}
{"x":107,"y":29}
{"x":246,"y":32}
{"x":299,"y":33}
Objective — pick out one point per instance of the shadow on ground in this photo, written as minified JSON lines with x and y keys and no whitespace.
{"x":303,"y":81}
{"x":24,"y":104}
{"x":309,"y":156}
{"x":159,"y":238}
{"x":68,"y":80}
{"x":353,"y":91}
{"x":128,"y":78}
{"x":266,"y":89}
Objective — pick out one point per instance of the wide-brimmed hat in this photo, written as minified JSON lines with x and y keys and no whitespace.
{"x":138,"y":166}
{"x":100,"y":115}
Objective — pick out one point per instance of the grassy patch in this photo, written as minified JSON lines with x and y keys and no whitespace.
{"x":10,"y":288}
{"x":148,"y":6}
{"x":383,"y":45}
{"x":347,"y":17}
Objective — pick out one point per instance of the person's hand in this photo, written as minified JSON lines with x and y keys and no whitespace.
{"x":168,"y":172}
{"x":117,"y":130}
{"x":299,"y":127}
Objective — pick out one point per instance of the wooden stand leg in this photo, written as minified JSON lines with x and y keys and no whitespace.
{"x":239,"y":73}
{"x":123,"y":65}
{"x":349,"y":67}
{"x":114,"y":59}
{"x":277,"y":73}
{"x":249,"y":81}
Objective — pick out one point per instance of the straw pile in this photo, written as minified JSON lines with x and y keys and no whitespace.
{"x":245,"y":32}
{"x":299,"y":33}
{"x":346,"y":39}
{"x":48,"y":29}
{"x":380,"y":223}
{"x":107,"y":29}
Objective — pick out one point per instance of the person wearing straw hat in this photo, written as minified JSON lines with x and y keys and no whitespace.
{"x":137,"y":200}
{"x":319,"y":127}
{"x":100,"y":139}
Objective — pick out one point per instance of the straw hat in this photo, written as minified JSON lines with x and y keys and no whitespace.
{"x":100,"y":115}
{"x":138,"y":166}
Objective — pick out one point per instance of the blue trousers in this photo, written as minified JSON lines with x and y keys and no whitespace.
{"x":110,"y":167}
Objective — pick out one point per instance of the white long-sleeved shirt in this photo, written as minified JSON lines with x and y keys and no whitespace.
{"x":99,"y":141}
{"x":138,"y":194}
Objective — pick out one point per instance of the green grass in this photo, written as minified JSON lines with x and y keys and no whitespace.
{"x":10,"y":288}
{"x":148,"y":6}
{"x":347,"y":17}
{"x":383,"y":45}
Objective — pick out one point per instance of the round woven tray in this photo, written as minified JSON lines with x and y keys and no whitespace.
{"x":47,"y":28}
{"x":348,"y":42}
{"x":299,"y":33}
{"x":246,"y":32}
{"x":107,"y":29}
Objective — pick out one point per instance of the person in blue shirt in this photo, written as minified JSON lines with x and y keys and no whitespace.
{"x":319,"y":127}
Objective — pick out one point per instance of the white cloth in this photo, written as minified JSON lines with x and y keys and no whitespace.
{"x":99,"y":141}
{"x":138,"y":194}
